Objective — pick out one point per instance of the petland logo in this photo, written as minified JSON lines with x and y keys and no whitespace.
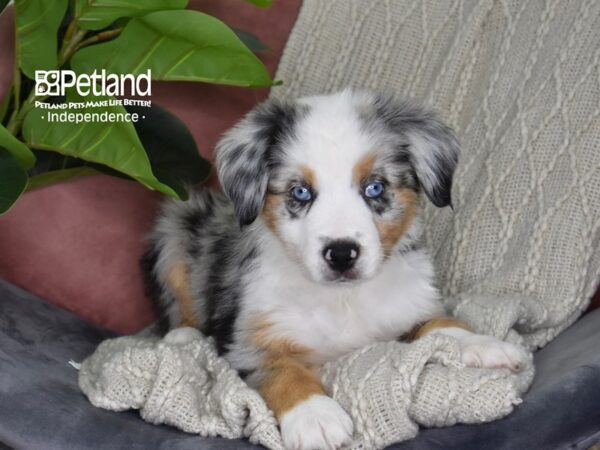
{"x":55,"y":83}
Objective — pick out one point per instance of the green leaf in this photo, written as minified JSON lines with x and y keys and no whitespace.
{"x":18,"y":150}
{"x":56,"y":176}
{"x":250,"y":40}
{"x":37,"y":24}
{"x":13,"y":180}
{"x":114,"y":144}
{"x":176,"y":45}
{"x":98,"y":14}
{"x":261,"y":3}
{"x":171,"y":149}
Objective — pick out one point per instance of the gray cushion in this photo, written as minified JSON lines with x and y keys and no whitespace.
{"x":41,"y":405}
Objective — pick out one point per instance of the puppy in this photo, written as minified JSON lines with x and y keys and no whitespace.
{"x":315,"y":251}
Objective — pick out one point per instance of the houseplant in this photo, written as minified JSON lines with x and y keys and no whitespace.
{"x":120,"y":38}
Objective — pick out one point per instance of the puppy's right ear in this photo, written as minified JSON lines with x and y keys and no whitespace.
{"x":248,"y":152}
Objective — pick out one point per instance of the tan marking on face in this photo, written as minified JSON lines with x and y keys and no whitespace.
{"x":440,"y":322}
{"x":286,"y":382}
{"x":269,"y":212}
{"x":178,"y":281}
{"x":363,"y":168}
{"x":391,"y":231}
{"x":309,"y":175}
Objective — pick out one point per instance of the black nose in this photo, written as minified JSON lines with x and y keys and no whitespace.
{"x":341,"y":255}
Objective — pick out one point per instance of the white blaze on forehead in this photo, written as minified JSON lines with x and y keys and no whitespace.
{"x":330,"y":139}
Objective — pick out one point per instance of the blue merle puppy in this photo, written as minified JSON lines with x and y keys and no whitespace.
{"x":314,"y":251}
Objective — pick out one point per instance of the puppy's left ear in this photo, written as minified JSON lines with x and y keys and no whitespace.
{"x":247,"y":153}
{"x":430,"y":145}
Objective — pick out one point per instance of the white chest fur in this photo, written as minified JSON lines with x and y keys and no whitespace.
{"x":332,"y":320}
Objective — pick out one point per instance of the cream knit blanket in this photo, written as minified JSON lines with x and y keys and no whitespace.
{"x":517,"y":258}
{"x":388,"y":388}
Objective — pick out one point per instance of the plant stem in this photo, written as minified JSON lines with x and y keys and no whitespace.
{"x":70,"y":46}
{"x":17,"y":84}
{"x":16,"y":89}
{"x":16,"y":120}
{"x":100,"y":37}
{"x":5,"y":103}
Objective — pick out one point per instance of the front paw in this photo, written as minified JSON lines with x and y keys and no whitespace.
{"x":478,"y":350}
{"x":317,"y":423}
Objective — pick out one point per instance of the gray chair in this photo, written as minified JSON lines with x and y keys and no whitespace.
{"x":41,"y":406}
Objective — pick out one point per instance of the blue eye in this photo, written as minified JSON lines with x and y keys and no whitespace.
{"x":301,"y":193}
{"x":374,"y":189}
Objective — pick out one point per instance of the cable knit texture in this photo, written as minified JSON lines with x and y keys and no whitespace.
{"x":389,"y":389}
{"x":179,"y":381}
{"x":519,"y":82}
{"x":517,"y":258}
